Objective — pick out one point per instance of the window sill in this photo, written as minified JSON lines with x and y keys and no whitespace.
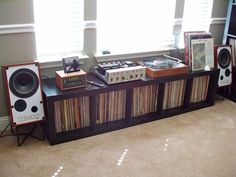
{"x":54,"y":62}
{"x":134,"y":55}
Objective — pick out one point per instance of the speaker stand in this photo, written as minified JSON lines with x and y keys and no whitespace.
{"x":219,"y":97}
{"x":29,"y":133}
{"x":223,"y":92}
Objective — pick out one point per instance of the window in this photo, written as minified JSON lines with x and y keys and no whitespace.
{"x":197,"y":16}
{"x":59,"y":28}
{"x":122,"y":26}
{"x":126,"y":26}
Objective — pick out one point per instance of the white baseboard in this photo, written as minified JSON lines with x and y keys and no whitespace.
{"x":4,"y":121}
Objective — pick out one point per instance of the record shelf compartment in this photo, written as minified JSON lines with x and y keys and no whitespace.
{"x":84,"y":112}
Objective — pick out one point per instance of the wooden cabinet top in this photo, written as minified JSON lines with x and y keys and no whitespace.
{"x":51,"y":90}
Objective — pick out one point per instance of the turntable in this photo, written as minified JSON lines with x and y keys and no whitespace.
{"x":164,"y":66}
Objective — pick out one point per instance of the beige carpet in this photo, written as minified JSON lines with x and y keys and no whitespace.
{"x":197,"y":144}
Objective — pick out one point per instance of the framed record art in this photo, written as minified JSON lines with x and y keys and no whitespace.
{"x":202,"y":53}
{"x":198,"y":56}
{"x":71,"y":64}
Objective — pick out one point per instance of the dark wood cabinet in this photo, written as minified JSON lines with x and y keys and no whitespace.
{"x":229,"y":38}
{"x":84,"y":112}
{"x":230,"y":25}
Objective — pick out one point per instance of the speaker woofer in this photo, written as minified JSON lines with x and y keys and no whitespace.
{"x":20,"y":105}
{"x":24,"y":83}
{"x":224,"y":58}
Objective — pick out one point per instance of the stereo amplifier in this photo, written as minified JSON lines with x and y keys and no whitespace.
{"x":113,"y":76}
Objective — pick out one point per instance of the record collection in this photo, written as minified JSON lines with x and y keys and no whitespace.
{"x":199,"y":89}
{"x":111,"y":106}
{"x":232,"y":42}
{"x":71,"y":114}
{"x":144,"y":100}
{"x":199,"y":50}
{"x":174,"y":94}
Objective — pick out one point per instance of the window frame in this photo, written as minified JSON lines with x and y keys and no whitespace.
{"x":90,"y":49}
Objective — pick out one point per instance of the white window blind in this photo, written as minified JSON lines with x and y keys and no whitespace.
{"x":196,"y":17}
{"x":125,"y":26}
{"x":59,"y":28}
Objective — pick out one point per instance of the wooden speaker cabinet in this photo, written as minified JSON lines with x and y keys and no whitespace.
{"x":24,"y":93}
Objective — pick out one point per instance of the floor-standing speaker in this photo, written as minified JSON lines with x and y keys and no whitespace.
{"x":23,"y":85}
{"x":223,"y":61}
